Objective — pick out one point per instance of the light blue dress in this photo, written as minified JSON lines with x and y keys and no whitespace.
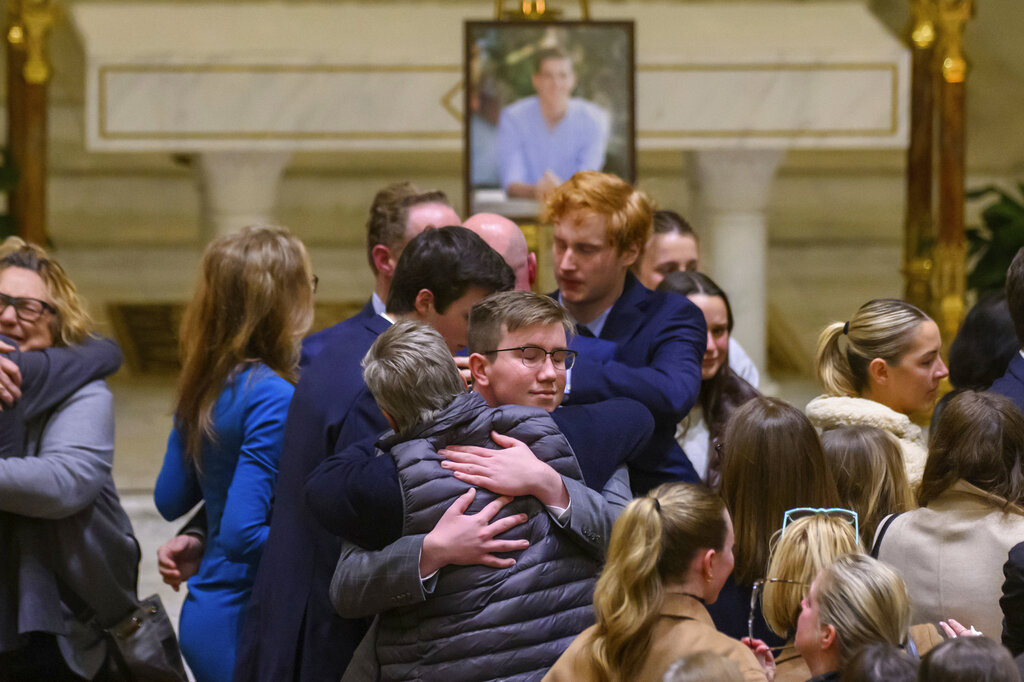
{"x":239,"y":472}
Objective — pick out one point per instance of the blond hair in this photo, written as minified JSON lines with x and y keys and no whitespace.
{"x":653,"y":542}
{"x":883,"y":328}
{"x":71,"y":322}
{"x":411,"y":374}
{"x":254,"y":301}
{"x":627,"y":210}
{"x":867,"y":465}
{"x":809,"y":544}
{"x":865,"y":601}
{"x":509,"y":311}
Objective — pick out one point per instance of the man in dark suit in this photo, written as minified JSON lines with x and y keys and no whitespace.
{"x":291,"y":631}
{"x":1011,"y":384}
{"x":398,"y":213}
{"x":645,"y":345}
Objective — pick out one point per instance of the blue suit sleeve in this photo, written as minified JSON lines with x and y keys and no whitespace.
{"x":246,"y":520}
{"x":605,"y":435}
{"x":177,"y":487}
{"x":667,"y":381}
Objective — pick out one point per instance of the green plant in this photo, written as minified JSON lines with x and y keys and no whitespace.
{"x":994,"y":244}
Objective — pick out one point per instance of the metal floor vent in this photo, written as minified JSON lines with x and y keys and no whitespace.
{"x":148,"y":332}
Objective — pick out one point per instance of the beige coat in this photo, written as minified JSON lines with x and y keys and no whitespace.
{"x":684,"y":627}
{"x":951,"y":555}
{"x":828,"y":412}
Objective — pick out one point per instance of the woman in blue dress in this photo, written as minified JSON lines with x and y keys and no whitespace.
{"x":240,"y":340}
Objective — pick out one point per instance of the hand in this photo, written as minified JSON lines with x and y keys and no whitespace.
{"x":467,"y":539}
{"x":514,"y":471}
{"x":10,"y":378}
{"x":763,"y":654}
{"x":954,"y":629}
{"x":463,"y":364}
{"x":179,"y":559}
{"x":547,"y":184}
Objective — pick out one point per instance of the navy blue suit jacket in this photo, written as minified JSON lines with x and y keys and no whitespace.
{"x":339,"y":496}
{"x":291,"y":630}
{"x":659,"y":340}
{"x":1011,"y":384}
{"x":313,"y":344}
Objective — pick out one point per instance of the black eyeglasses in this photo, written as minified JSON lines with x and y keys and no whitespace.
{"x":533,"y":356}
{"x":27,"y":309}
{"x":757,"y":592}
{"x":316,"y":283}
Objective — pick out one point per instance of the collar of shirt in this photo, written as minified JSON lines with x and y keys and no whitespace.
{"x":378,"y":305}
{"x":597,"y":324}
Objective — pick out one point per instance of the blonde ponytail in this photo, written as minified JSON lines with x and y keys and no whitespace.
{"x":655,"y":540}
{"x":834,"y":371}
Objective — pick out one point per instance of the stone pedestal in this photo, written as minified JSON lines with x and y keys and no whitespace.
{"x":733,"y":188}
{"x":238,"y":188}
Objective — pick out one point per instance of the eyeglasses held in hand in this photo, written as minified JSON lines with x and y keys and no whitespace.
{"x":533,"y":356}
{"x":757,"y":592}
{"x":27,"y":309}
{"x":847,"y":515}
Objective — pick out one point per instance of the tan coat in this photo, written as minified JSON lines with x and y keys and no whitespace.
{"x":951,"y":555}
{"x":790,"y":666}
{"x":684,"y":627}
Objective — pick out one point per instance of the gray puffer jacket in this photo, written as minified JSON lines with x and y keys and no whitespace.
{"x":483,"y":623}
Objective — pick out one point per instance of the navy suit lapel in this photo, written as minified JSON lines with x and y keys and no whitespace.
{"x":377,"y":324}
{"x":628,"y":312}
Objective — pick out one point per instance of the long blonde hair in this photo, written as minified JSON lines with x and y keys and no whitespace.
{"x":883,"y":328}
{"x":654,"y":541}
{"x":71,"y":322}
{"x":865,"y":600}
{"x":253,"y":302}
{"x":809,"y":544}
{"x":868,"y":468}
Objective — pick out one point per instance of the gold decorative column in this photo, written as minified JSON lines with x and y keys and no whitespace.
{"x":949,"y":278}
{"x":918,"y":228}
{"x":28,"y":72}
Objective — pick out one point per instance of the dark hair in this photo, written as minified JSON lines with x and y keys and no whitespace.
{"x":984,"y":345}
{"x":723,"y":393}
{"x":980,"y":439}
{"x":969,"y":659}
{"x":447,"y":261}
{"x":667,"y":221}
{"x":389,"y":214}
{"x":1015,"y":293}
{"x":771,"y":461}
{"x":879,"y":662}
{"x":549,"y":53}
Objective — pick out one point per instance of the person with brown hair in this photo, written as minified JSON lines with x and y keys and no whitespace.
{"x":771,"y":462}
{"x":969,"y":659}
{"x":240,"y":339}
{"x":633,"y":342}
{"x":669,"y":556}
{"x":950,"y":551}
{"x":722,"y":391}
{"x":878,"y":368}
{"x":868,"y":470}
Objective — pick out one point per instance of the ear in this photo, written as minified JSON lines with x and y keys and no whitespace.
{"x":878,"y":371}
{"x":629,"y":256}
{"x":382,"y":260}
{"x":424,"y":303}
{"x":531,"y":268}
{"x":708,"y":565}
{"x":828,"y":637}
{"x":534,"y":79}
{"x":478,"y":365}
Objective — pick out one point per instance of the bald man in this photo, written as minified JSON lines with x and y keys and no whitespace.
{"x":505,"y":237}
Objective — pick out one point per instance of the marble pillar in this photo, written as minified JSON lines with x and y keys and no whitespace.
{"x":238,"y":189}
{"x":733,"y":188}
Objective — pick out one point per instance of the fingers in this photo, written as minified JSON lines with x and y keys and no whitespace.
{"x":495,"y":562}
{"x":505,"y":546}
{"x":5,"y":347}
{"x":493,"y":507}
{"x":465,"y":453}
{"x":502,"y":525}
{"x":949,"y":632}
{"x":505,"y":441}
{"x":473,"y":480}
{"x":460,"y":505}
{"x":10,"y":381}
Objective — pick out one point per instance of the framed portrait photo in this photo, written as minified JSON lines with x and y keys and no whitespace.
{"x":543,"y":101}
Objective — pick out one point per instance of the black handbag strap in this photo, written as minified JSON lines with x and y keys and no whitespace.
{"x":880,"y":533}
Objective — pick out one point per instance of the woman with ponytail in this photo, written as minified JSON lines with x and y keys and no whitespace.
{"x":669,"y":555}
{"x":877,"y":369}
